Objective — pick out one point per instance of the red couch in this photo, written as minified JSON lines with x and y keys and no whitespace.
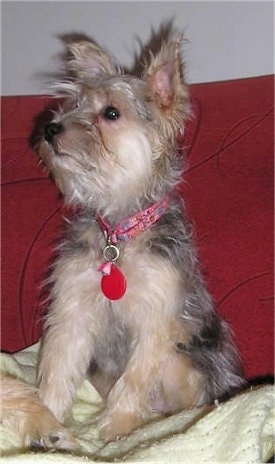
{"x":229,"y":194}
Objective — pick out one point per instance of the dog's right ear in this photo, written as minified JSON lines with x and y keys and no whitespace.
{"x":87,"y":60}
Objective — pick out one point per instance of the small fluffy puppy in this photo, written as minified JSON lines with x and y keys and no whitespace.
{"x":128,"y":305}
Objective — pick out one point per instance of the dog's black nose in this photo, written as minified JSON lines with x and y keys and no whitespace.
{"x":52,"y":129}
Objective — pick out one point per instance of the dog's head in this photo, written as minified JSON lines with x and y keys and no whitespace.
{"x":112,"y":143}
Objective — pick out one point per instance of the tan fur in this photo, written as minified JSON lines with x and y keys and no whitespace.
{"x":75,"y":325}
{"x":34,"y":424}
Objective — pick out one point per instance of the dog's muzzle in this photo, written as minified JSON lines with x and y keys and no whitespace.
{"x":52,"y":129}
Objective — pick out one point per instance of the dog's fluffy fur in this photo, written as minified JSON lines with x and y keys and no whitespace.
{"x":23,"y":412}
{"x":161,"y":348}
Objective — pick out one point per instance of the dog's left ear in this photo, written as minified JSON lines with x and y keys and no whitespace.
{"x":164,"y":76}
{"x":87,"y":60}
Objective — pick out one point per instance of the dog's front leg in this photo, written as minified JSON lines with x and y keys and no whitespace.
{"x":63,"y":365}
{"x":72,"y":327}
{"x":129,"y":402}
{"x":124,"y":411}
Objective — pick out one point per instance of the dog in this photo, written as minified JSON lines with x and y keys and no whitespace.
{"x":128,"y":305}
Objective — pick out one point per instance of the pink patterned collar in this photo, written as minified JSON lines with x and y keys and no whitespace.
{"x":113,"y":281}
{"x":130,"y":227}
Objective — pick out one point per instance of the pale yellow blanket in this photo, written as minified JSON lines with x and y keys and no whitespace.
{"x":241,"y":430}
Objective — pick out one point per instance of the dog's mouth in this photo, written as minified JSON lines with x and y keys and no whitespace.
{"x":59,"y":153}
{"x":53,"y":151}
{"x":51,"y":137}
{"x":52,"y":133}
{"x":60,"y":158}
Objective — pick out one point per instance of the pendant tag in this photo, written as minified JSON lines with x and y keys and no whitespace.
{"x":113,"y":283}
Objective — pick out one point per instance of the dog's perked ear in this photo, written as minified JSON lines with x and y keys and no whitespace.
{"x":164,"y":76}
{"x":87,"y":60}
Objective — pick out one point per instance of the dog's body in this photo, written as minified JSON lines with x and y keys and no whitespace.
{"x":154,"y":344}
{"x":112,"y":151}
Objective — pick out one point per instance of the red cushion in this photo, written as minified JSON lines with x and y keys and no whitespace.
{"x":229,"y":194}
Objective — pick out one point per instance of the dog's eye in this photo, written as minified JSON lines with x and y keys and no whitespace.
{"x":111,"y":113}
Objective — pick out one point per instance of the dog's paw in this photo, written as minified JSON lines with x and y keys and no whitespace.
{"x":58,"y":440}
{"x":114,"y":426}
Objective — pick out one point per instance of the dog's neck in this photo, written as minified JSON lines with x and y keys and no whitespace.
{"x":128,"y":227}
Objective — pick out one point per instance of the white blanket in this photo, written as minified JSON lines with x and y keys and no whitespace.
{"x":240,"y":430}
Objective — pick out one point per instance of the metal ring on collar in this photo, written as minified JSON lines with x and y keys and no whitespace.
{"x":111,"y":253}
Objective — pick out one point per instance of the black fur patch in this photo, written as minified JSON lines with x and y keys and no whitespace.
{"x":209,"y":337}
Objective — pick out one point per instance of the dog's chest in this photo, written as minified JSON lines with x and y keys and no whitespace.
{"x":150,"y":279}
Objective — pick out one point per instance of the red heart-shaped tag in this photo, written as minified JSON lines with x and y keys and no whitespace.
{"x":114,"y":285}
